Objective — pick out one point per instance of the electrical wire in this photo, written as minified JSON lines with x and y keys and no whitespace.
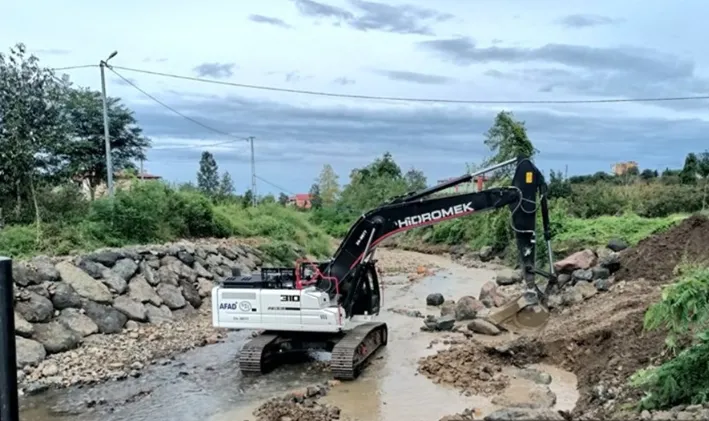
{"x":407,"y":99}
{"x":186,"y":117}
{"x":85,"y":66}
{"x":275,"y":185}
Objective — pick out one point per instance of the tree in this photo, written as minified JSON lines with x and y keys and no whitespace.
{"x":208,"y":175}
{"x":226,"y":187}
{"x":248,"y":198}
{"x":688,"y":175}
{"x":84,"y":153}
{"x":283,"y":199}
{"x":32,"y":125}
{"x":415,"y":179}
{"x":372,"y":185}
{"x":558,"y":186}
{"x":703,"y":167}
{"x":507,"y":139}
{"x":328,"y":185}
{"x":315,"y":198}
{"x":269,"y":198}
{"x":648,"y":174}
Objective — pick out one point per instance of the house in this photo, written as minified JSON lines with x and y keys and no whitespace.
{"x":302,"y":201}
{"x":621,"y":168}
{"x":121,"y":180}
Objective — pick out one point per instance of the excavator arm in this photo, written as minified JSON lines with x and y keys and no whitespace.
{"x":350,"y":275}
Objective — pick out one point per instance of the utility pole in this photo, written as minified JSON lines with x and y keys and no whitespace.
{"x":253,"y":172}
{"x":109,"y":162}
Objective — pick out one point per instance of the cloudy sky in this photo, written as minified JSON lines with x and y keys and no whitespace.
{"x":484,"y":50}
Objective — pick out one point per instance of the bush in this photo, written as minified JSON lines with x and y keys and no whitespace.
{"x":153,"y":212}
{"x":682,"y":380}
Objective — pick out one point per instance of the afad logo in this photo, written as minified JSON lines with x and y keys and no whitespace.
{"x":227,"y":306}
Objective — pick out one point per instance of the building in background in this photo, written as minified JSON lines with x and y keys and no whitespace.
{"x":302,"y":201}
{"x":121,"y":180}
{"x":620,"y":168}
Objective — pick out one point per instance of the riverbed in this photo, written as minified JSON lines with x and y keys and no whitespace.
{"x":205,"y":383}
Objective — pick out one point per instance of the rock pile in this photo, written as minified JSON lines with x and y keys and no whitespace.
{"x":466,"y":368}
{"x":467,"y":309}
{"x":301,"y":405}
{"x":63,"y":303}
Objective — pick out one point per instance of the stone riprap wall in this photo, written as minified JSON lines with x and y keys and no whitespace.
{"x":61,"y":301}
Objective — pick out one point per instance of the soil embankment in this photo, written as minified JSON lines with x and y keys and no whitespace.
{"x":597,"y":335}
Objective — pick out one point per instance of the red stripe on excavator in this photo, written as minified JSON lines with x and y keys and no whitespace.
{"x":410,"y":227}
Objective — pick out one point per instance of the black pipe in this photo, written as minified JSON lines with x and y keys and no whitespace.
{"x":9,"y":407}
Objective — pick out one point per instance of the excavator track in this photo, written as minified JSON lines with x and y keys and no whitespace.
{"x":353,"y":351}
{"x":258,"y":355}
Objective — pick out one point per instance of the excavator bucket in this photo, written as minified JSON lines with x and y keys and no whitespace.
{"x":521,"y":315}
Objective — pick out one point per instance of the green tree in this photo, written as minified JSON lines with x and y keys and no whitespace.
{"x":269,"y":198}
{"x":208,"y":175}
{"x":648,"y":174}
{"x":689,"y":172}
{"x":32,"y":125}
{"x":328,"y":185}
{"x":84,"y":153}
{"x":374,"y":184}
{"x":226,"y":187}
{"x":316,"y":201}
{"x":703,"y":167}
{"x":283,"y":199}
{"x":248,"y":198}
{"x":507,"y":139}
{"x":415,"y":179}
{"x":558,"y":187}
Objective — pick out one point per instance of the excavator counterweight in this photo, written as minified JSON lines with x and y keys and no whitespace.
{"x":332,"y":305}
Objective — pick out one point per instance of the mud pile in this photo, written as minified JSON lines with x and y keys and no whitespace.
{"x":466,"y":367}
{"x":299,"y":406}
{"x":655,"y":258}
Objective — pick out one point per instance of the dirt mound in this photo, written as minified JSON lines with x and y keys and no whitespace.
{"x":467,"y":368}
{"x":299,"y":406}
{"x":655,"y":258}
{"x":602,"y":341}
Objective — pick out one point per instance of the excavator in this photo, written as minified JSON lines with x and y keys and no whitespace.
{"x":332,"y":306}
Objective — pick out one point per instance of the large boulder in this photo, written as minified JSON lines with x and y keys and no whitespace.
{"x":467,"y":308}
{"x":84,"y":285}
{"x":584,"y":259}
{"x":29,"y":352}
{"x":56,"y":337}
{"x":34,"y":307}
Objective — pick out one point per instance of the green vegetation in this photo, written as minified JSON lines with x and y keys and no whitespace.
{"x":53,"y":174}
{"x":684,"y":308}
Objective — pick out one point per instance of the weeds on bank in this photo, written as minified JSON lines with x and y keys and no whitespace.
{"x":684,"y":308}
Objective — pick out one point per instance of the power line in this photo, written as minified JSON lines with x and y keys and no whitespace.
{"x":170,"y":148}
{"x":406,"y":99}
{"x":186,"y":117}
{"x":275,"y":185}
{"x":85,"y":66}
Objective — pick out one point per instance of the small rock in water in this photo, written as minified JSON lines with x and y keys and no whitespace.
{"x":435,"y":299}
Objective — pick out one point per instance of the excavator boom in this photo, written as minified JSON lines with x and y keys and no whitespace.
{"x":418,"y":209}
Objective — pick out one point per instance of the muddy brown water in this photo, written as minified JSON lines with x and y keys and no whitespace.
{"x":205,"y":383}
